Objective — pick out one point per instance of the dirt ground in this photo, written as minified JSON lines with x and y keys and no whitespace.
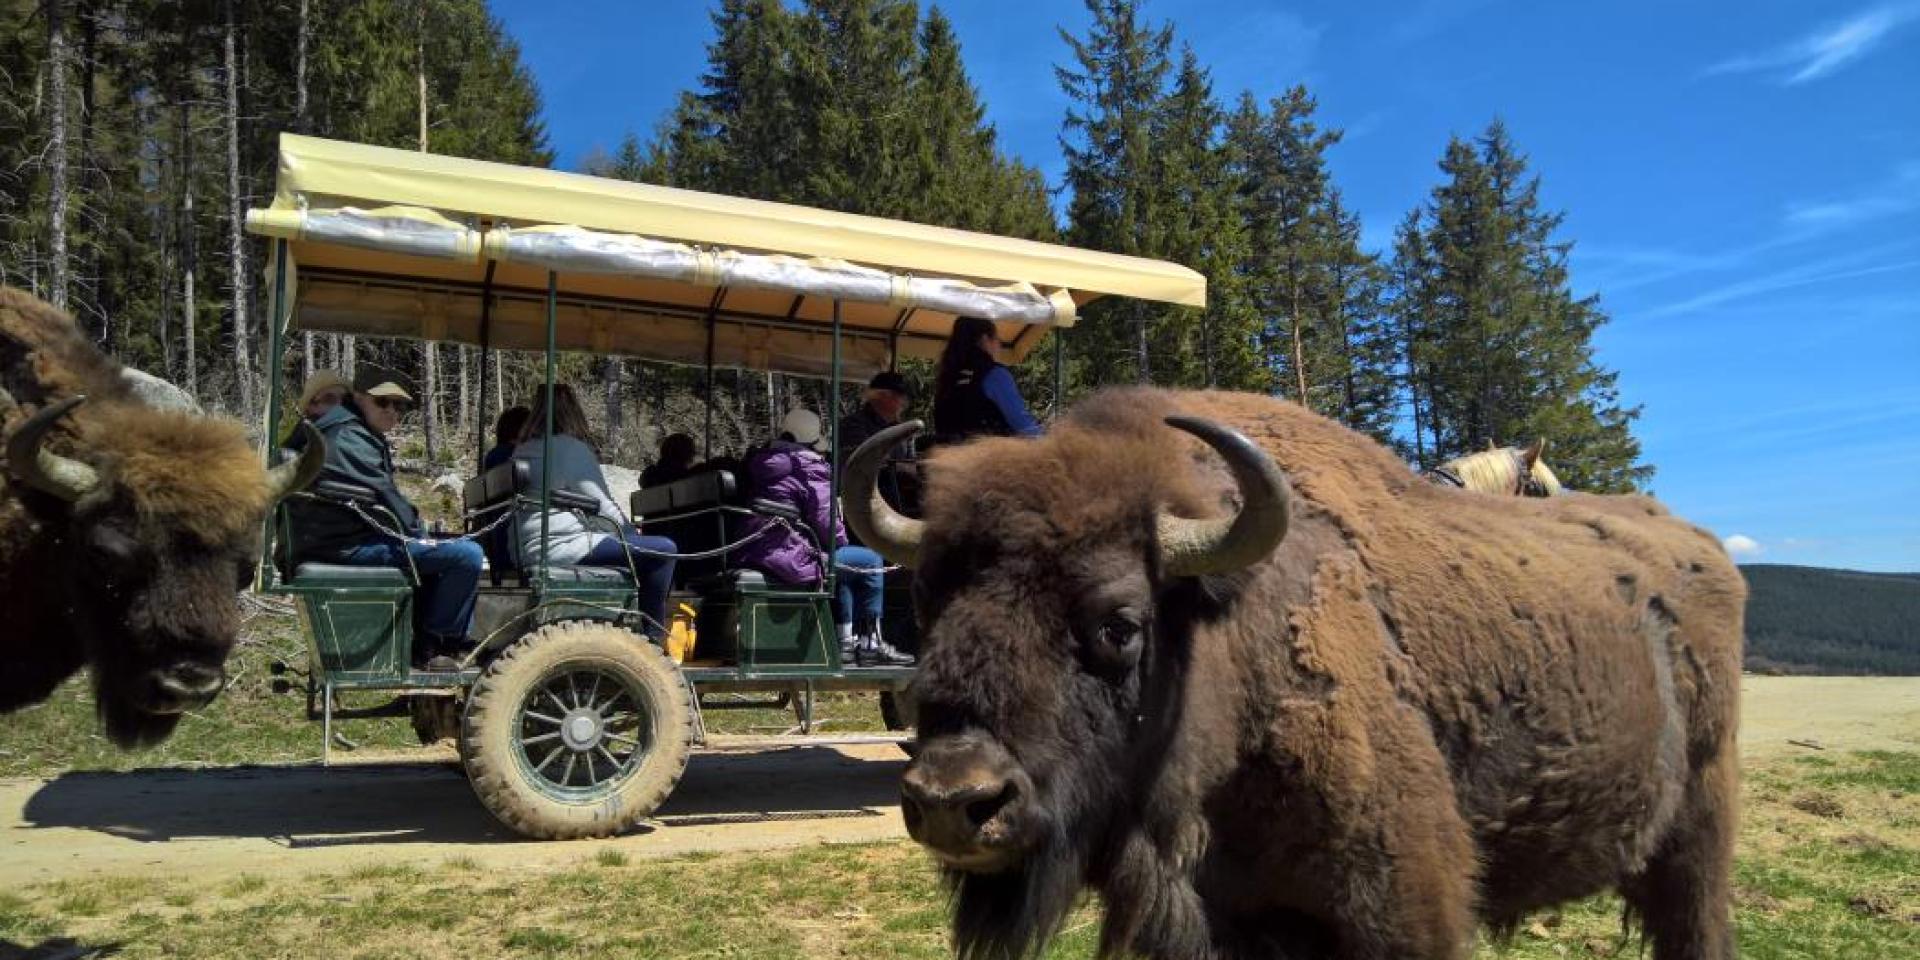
{"x":268,"y":820}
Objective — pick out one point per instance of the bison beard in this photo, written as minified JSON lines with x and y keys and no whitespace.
{"x":125,"y":530}
{"x":1425,"y":711}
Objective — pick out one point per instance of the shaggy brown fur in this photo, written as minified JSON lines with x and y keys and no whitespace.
{"x":138,"y":575}
{"x":1427,"y":711}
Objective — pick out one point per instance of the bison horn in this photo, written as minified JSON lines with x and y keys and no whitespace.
{"x":291,"y":478}
{"x":878,"y":525}
{"x":41,"y":468}
{"x":1194,"y":547}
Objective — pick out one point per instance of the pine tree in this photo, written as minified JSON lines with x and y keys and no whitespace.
{"x":1499,"y":349}
{"x":1117,"y":86}
{"x":1201,"y":226}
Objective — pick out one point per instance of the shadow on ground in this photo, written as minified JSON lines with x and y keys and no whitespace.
{"x":382,"y":803}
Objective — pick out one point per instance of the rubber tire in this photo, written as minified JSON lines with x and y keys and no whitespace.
{"x":488,"y":732}
{"x":896,"y":711}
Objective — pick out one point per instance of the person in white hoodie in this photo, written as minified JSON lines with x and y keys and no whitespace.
{"x":596,"y":541}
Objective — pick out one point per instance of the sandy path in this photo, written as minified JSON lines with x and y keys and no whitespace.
{"x":285,"y":819}
{"x":305,"y":819}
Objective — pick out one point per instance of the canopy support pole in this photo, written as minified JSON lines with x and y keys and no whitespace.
{"x":832,"y":534}
{"x":276,"y":342}
{"x":486,"y":352}
{"x":713,"y":321}
{"x":546,"y":442}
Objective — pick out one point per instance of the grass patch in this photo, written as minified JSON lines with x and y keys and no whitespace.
{"x":1807,"y":885}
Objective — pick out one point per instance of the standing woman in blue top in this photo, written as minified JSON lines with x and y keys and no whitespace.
{"x":973,"y":394}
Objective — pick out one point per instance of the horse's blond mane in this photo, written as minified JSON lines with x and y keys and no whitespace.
{"x":1497,"y":471}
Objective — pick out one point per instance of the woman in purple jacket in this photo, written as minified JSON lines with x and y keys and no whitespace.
{"x":791,"y":471}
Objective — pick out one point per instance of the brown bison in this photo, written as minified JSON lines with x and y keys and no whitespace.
{"x":125,"y":530}
{"x":1356,"y":718}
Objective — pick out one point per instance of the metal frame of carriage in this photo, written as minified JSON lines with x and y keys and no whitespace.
{"x":568,"y":721}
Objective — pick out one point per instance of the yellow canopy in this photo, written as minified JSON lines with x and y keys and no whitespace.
{"x":396,"y":243}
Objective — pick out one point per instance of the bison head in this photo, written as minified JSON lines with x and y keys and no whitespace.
{"x":1057,"y":583}
{"x":148,"y":550}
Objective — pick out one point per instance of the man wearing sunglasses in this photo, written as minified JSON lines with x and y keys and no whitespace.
{"x":358,"y":453}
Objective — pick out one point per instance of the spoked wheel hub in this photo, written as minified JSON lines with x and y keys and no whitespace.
{"x":581,"y":729}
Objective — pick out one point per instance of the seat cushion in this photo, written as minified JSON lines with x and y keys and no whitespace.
{"x":730,"y":580}
{"x":598,"y":576}
{"x":331,"y":572}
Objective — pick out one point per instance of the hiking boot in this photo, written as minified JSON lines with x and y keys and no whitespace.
{"x":442,"y":663}
{"x":879,"y":653}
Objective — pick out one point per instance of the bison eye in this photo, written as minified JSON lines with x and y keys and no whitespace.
{"x":1116,"y":647}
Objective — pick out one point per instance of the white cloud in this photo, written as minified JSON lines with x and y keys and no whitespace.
{"x":1741,"y":545}
{"x":1827,"y":49}
{"x":1894,"y":197}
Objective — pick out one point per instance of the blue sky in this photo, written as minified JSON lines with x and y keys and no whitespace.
{"x":1741,"y":182}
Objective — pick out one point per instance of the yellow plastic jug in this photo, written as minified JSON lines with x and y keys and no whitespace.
{"x":680,"y":633}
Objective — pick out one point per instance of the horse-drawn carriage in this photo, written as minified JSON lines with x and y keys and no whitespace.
{"x":569,"y":722}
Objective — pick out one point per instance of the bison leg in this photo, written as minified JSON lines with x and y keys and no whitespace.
{"x":1404,"y":865}
{"x":1683,"y":896}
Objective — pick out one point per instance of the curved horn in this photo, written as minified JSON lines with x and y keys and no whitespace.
{"x":1194,"y":547}
{"x":289,"y":478}
{"x":43,"y":469}
{"x":878,"y":525}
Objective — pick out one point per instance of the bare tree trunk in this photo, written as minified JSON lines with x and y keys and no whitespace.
{"x":236,"y":235}
{"x":344,"y":356}
{"x":467,"y":423}
{"x":57,"y":148}
{"x":301,"y":123}
{"x":1299,"y":347}
{"x":610,"y":385}
{"x":432,"y":405}
{"x":1140,"y":342}
{"x":187,"y":264}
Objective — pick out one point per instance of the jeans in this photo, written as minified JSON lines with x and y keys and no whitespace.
{"x":656,"y":573}
{"x":449,"y":577}
{"x":859,"y":597}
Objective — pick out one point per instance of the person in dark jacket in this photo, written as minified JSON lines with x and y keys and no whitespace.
{"x":508,"y":430}
{"x":888,"y":394}
{"x":974,"y":395}
{"x":358,"y":453}
{"x":791,"y":471}
{"x":675,"y":463}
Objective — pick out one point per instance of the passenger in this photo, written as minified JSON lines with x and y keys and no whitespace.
{"x":572,"y":541}
{"x":675,"y":463}
{"x":358,"y":453}
{"x":887,"y":397}
{"x":791,"y":471}
{"x":507,"y":431}
{"x":974,"y":395}
{"x":324,"y":391}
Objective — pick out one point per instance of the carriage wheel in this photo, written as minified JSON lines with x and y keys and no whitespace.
{"x":579,"y":729}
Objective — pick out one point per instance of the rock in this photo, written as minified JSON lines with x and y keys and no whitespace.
{"x":158,"y":393}
{"x":621,"y":483}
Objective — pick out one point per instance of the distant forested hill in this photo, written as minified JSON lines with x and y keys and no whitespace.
{"x":1815,"y":620}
